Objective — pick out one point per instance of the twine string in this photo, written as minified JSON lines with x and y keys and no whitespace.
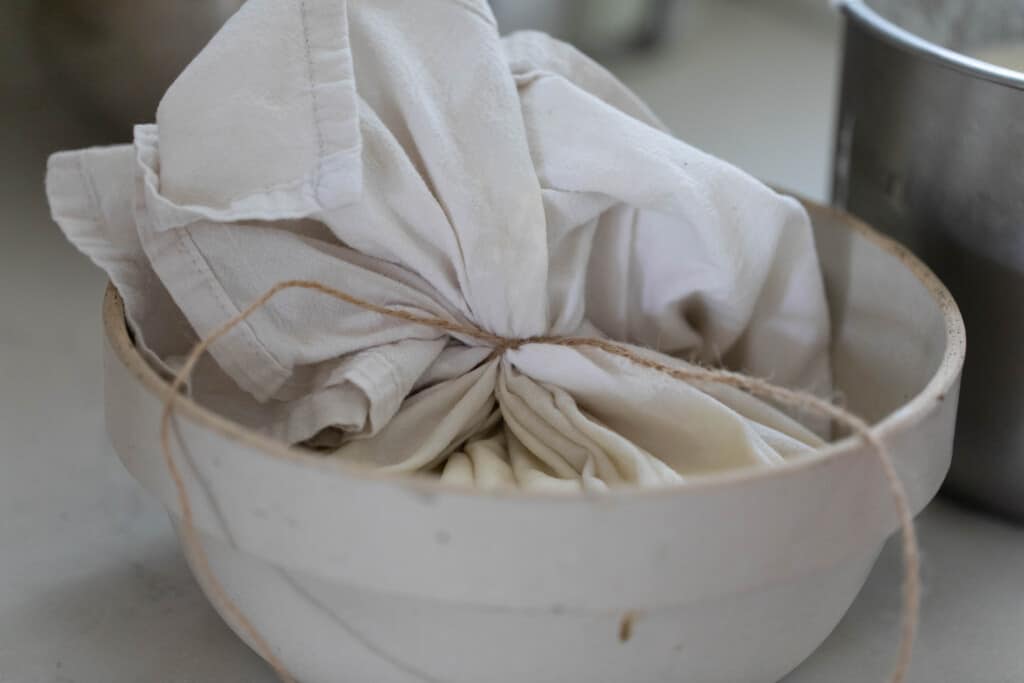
{"x":911,"y":587}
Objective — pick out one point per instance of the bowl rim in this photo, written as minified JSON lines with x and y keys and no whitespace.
{"x":900,"y":37}
{"x":933,"y":393}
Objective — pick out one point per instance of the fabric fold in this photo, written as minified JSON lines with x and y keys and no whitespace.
{"x":404,"y":153}
{"x":273,"y":100}
{"x":91,"y":194}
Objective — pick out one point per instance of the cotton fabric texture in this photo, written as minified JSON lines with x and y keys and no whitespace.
{"x":402,"y":151}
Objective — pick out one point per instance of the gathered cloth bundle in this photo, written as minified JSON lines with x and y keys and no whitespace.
{"x":404,"y":152}
{"x":473,"y":204}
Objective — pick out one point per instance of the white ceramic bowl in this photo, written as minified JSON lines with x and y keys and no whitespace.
{"x":735,"y":578}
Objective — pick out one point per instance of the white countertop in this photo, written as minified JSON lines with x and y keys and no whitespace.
{"x":92,"y":585}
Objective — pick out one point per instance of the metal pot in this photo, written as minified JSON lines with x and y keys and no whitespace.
{"x":930,"y":148}
{"x":114,"y":59}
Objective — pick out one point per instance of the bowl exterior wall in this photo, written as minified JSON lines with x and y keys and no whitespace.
{"x":733,"y":578}
{"x":324,"y":631}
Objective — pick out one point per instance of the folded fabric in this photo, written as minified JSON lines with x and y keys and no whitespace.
{"x":402,"y":151}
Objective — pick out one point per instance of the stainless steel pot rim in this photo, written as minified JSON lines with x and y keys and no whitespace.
{"x":904,"y":39}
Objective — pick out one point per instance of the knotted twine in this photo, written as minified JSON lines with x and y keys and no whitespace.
{"x":801,"y":400}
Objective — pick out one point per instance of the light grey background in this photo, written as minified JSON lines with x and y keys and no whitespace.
{"x":92,"y":585}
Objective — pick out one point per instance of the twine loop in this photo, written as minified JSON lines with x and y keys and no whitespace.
{"x":753,"y":385}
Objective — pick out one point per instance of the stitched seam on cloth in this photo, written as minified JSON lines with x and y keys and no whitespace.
{"x":390,"y":368}
{"x":227,"y":306}
{"x":388,"y":371}
{"x":218,"y":294}
{"x":232,"y":213}
{"x":363,"y":380}
{"x":206,"y":276}
{"x":371,"y":646}
{"x":91,"y":192}
{"x":305,"y":180}
{"x":318,"y":175}
{"x":524,"y":73}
